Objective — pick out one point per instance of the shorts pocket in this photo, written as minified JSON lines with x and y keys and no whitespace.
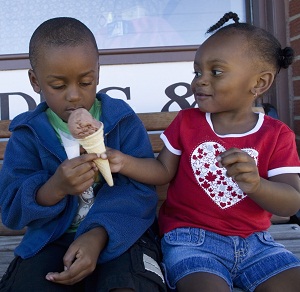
{"x":146,"y":265}
{"x":185,"y":236}
{"x":266,"y":238}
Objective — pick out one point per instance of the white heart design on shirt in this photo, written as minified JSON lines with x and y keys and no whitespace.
{"x":212,"y":179}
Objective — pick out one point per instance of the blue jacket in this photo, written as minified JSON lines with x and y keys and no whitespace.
{"x":33,"y":154}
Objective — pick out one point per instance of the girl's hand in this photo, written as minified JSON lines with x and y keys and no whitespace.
{"x":81,"y":258}
{"x":117,"y":159}
{"x":242,"y":168}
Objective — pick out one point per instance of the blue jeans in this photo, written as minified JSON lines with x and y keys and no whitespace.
{"x":241,"y":262}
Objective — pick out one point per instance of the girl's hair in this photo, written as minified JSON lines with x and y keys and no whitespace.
{"x":262,"y":44}
{"x":60,"y":31}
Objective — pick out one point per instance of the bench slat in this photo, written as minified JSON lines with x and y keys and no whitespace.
{"x":282,"y":232}
{"x":157,"y":121}
{"x":4,"y":133}
{"x":2,"y":148}
{"x":156,"y":142}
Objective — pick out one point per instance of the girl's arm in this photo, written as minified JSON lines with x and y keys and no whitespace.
{"x":152,"y":171}
{"x":280,"y":195}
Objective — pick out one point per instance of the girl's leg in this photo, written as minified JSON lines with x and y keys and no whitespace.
{"x":288,"y":280}
{"x":202,"y":282}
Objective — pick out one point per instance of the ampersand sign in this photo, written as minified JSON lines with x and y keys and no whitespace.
{"x":180,"y":100}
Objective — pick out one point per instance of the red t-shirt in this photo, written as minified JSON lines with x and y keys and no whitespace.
{"x":200,"y":195}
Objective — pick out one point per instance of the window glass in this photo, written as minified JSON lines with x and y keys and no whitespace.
{"x":117,"y":23}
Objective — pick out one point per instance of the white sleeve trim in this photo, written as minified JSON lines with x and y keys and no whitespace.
{"x":169,"y":146}
{"x":283,"y":170}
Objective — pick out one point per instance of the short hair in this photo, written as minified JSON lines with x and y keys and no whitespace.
{"x":59,"y":32}
{"x":262,"y":44}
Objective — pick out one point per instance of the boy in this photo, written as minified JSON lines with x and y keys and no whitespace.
{"x":108,"y":246}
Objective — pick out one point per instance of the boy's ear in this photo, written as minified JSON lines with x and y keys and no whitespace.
{"x":33,"y":81}
{"x":98,"y":77}
{"x":264,"y":82}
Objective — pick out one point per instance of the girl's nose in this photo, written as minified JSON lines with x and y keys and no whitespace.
{"x":202,"y":80}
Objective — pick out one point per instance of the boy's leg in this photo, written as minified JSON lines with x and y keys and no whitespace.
{"x":29,"y":275}
{"x":137,"y":269}
{"x":288,"y":280}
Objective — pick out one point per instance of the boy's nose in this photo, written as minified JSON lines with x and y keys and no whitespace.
{"x":73,"y":94}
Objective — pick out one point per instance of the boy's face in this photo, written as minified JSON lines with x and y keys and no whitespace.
{"x":67,"y":78}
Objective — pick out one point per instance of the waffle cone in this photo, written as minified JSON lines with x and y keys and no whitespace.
{"x":95,"y":144}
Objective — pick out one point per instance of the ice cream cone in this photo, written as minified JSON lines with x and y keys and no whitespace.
{"x":94,"y":143}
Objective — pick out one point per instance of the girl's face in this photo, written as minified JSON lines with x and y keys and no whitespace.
{"x":224,"y":75}
{"x":67,"y":78}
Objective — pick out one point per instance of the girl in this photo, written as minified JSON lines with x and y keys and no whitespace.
{"x":229,"y":170}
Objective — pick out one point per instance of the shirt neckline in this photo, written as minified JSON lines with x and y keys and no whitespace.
{"x":253,"y":130}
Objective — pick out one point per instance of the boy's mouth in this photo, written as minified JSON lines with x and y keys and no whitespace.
{"x":71,"y":109}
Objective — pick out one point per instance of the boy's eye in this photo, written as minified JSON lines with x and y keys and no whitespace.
{"x":85,"y":83}
{"x":58,"y":86}
{"x":197,"y":74}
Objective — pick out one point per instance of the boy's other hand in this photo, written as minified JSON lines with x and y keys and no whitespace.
{"x":81,"y":258}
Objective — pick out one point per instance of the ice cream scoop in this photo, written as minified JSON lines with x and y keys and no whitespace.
{"x":89,"y":133}
{"x":82,"y":124}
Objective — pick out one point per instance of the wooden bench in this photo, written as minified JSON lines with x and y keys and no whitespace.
{"x":155,"y":123}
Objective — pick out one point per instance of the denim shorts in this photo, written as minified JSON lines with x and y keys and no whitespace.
{"x":241,"y":262}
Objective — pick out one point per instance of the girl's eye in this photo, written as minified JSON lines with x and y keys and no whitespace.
{"x":216,"y":72}
{"x":197,"y":74}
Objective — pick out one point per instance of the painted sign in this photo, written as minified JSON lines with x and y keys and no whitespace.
{"x":145,"y":87}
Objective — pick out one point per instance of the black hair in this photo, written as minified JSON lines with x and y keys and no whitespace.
{"x":262,"y":43}
{"x":60,"y":31}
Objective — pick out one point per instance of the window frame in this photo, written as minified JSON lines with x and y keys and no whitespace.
{"x":116,"y":56}
{"x":160,"y":54}
{"x":272,"y":15}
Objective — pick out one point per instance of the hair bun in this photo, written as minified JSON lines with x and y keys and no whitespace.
{"x":287,"y":57}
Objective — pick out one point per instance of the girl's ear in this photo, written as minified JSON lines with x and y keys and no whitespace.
{"x":264,"y":82}
{"x":33,"y":81}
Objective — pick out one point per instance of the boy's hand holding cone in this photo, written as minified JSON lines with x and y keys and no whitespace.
{"x":89,"y":133}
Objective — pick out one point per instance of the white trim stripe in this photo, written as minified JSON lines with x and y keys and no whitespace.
{"x":283,"y":170}
{"x":151,"y":265}
{"x":254,"y":130}
{"x":168,"y":145}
